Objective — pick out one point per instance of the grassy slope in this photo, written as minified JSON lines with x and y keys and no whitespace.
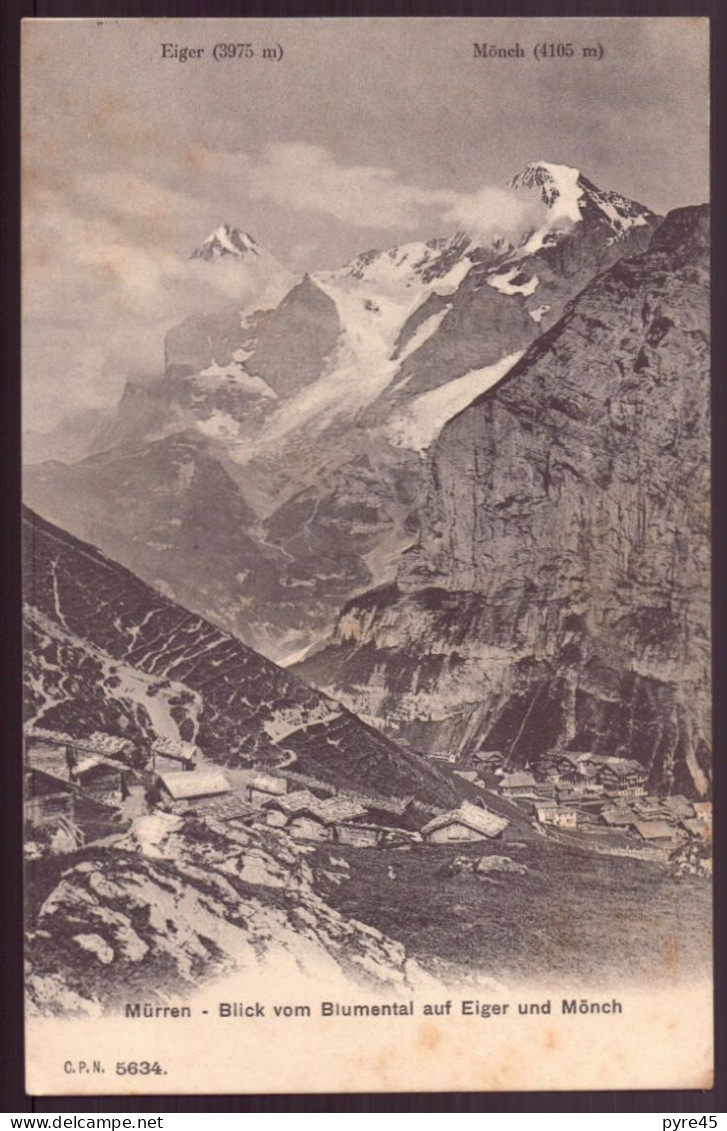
{"x":575,"y":919}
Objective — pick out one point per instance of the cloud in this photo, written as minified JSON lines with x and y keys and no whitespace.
{"x":106,"y":271}
{"x":307,"y":178}
{"x":97,"y":303}
{"x":494,"y":212}
{"x":126,"y":192}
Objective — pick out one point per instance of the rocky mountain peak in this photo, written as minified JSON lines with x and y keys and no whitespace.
{"x":558,"y":184}
{"x":570,"y":196}
{"x":227,"y":240}
{"x":685,"y":233}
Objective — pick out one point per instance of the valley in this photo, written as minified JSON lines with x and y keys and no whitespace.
{"x":372,"y":633}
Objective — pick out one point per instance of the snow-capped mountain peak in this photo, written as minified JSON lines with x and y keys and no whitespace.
{"x":559,"y":186}
{"x":408,"y":264}
{"x":227,"y":240}
{"x":571,"y":197}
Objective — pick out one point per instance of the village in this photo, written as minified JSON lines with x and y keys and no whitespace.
{"x":600,"y":802}
{"x":82,"y":790}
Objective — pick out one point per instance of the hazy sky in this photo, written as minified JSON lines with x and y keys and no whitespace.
{"x":367,"y":133}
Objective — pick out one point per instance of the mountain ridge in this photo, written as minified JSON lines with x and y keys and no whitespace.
{"x":322,"y":412}
{"x":106,"y":651}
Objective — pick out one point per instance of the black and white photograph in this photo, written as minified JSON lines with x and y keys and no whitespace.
{"x":366,"y":554}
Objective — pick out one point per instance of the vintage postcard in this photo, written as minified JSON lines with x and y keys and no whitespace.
{"x":366,"y":555}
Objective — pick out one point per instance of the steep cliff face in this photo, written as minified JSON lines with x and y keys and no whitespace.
{"x":559,"y":592}
{"x":106,"y":652}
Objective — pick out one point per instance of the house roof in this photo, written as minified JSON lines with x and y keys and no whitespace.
{"x":103,"y":743}
{"x":618,"y":816}
{"x":59,"y":737}
{"x":472,"y":817}
{"x":655,"y":830}
{"x":96,"y":743}
{"x":678,"y":804}
{"x":95,"y":760}
{"x":328,"y":812}
{"x":335,"y":809}
{"x":174,"y":748}
{"x":45,"y":778}
{"x":294,"y":802}
{"x":183,"y":785}
{"x":518,"y":778}
{"x":227,"y":808}
{"x":555,"y":810}
{"x":50,"y":757}
{"x":267,"y":783}
{"x":565,"y":755}
{"x":622,"y":767}
{"x":395,"y":805}
{"x":42,"y":777}
{"x":468,"y":775}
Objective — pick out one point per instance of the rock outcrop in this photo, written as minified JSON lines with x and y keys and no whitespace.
{"x":179,"y":902}
{"x":559,"y":591}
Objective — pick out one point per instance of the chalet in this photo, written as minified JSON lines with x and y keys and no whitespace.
{"x":620,"y":818}
{"x":677,"y":806}
{"x":561,"y":766}
{"x":587,"y":793}
{"x":110,"y":745}
{"x":49,"y":753}
{"x":557,"y":815}
{"x":338,"y":810}
{"x":47,"y":797}
{"x":343,"y":820}
{"x":173,"y":754}
{"x":467,"y":823}
{"x":309,"y":824}
{"x":397,"y":811}
{"x":359,"y":836}
{"x":491,"y":759}
{"x":520,"y":784}
{"x":52,"y":803}
{"x":656,"y":832}
{"x":545,"y":790}
{"x":231,"y":809}
{"x":184,"y":787}
{"x":650,"y":808}
{"x":440,"y":757}
{"x":279,"y":810}
{"x":100,"y":777}
{"x":587,"y":817}
{"x":393,"y":838}
{"x":261,"y":788}
{"x":621,"y":777}
{"x":471,"y":776}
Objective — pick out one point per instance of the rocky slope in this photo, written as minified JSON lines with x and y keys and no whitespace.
{"x":319,"y":413}
{"x":177,"y":903}
{"x":559,"y":590}
{"x":104,"y":651}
